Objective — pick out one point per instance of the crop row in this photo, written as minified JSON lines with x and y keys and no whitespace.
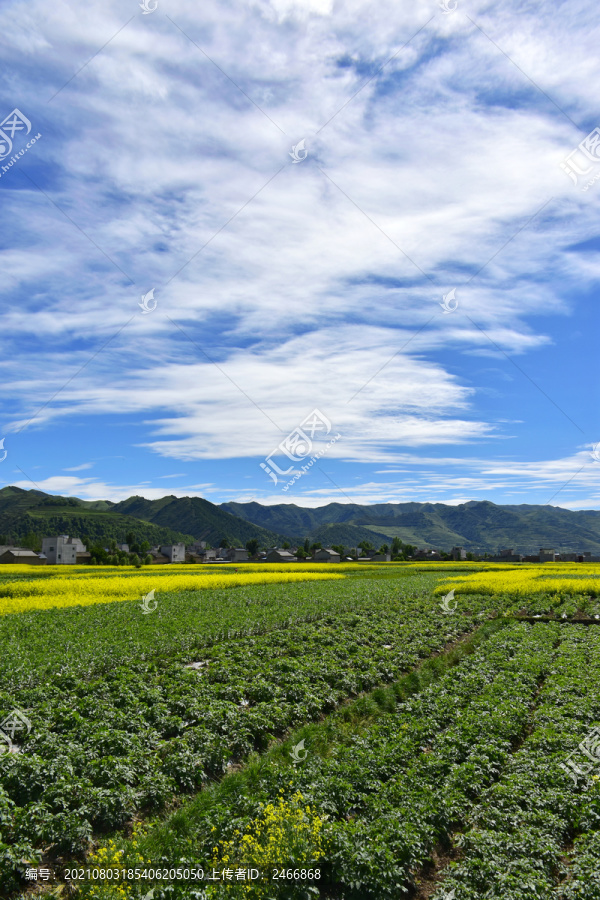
{"x":87,"y":642}
{"x":515,"y":846}
{"x":387,"y":792}
{"x":105,"y":746}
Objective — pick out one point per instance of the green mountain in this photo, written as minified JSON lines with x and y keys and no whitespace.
{"x":33,"y":515}
{"x":476,"y":525}
{"x":199,"y":517}
{"x":165,"y":521}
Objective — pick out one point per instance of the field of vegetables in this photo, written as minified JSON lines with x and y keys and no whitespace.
{"x":434,"y":735}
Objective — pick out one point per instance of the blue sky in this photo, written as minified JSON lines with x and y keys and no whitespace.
{"x":428,"y":157}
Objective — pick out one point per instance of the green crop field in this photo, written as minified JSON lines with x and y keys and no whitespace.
{"x":357,"y":738}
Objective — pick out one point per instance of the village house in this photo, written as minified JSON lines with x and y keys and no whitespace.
{"x":426,"y":555}
{"x":174,"y":553}
{"x":63,"y":550}
{"x":197,"y":547}
{"x":508,"y":555}
{"x":326,"y":555}
{"x":236,"y":554}
{"x":18,"y":556}
{"x":279,"y":555}
{"x":458,"y":553}
{"x":158,"y":557}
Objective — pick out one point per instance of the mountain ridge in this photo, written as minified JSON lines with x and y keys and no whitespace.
{"x":474,"y":525}
{"x":477,"y":525}
{"x":38,"y":514}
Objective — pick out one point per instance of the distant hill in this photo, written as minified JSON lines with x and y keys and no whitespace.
{"x":165,"y":521}
{"x":347,"y":535}
{"x":480,"y":526}
{"x":37,"y":514}
{"x":476,"y":525}
{"x":196,"y":516}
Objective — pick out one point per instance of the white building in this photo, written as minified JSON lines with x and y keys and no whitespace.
{"x":62,"y":550}
{"x":175,"y":553}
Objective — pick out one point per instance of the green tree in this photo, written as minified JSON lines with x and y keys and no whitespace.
{"x":384,"y":549}
{"x":285,"y":546}
{"x":396,"y":546}
{"x":301,"y":553}
{"x":307,"y":545}
{"x":365,"y":546}
{"x":313,"y":547}
{"x":130,"y":539}
{"x":339,"y":548}
{"x":135,"y":560}
{"x":144,"y":547}
{"x":252,"y":546}
{"x":147,"y":559}
{"x":32,"y":541}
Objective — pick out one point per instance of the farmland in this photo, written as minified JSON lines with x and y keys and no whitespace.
{"x":432,"y":734}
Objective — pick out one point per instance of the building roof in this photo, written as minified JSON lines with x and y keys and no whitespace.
{"x":20,"y":552}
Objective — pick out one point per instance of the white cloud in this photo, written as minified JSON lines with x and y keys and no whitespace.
{"x":430,"y":173}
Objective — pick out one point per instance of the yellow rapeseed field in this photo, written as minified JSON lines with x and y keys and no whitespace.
{"x":521,"y":581}
{"x":84,"y":588}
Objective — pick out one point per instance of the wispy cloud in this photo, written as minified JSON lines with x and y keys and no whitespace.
{"x":282,"y":287}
